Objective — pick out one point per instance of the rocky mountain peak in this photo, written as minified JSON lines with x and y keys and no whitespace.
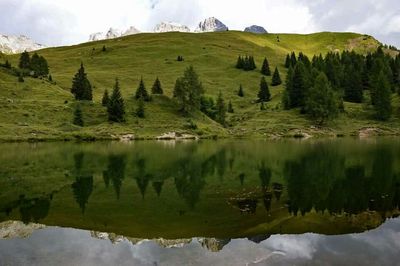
{"x":112,"y":33}
{"x":10,"y":44}
{"x":171,"y":26}
{"x":255,"y":29}
{"x":210,"y":25}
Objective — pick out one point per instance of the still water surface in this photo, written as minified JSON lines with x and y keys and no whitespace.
{"x":208,"y":202}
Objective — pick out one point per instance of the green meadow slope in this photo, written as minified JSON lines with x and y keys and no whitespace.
{"x":40,"y":110}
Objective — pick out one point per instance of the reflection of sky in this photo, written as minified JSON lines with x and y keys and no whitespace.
{"x":56,"y":246}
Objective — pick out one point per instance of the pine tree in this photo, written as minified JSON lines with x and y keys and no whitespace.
{"x":246,"y":63}
{"x":353,"y":87}
{"x":141,"y":92}
{"x":265,"y":68}
{"x":288,"y":89}
{"x":106,"y":98}
{"x":157,"y":89}
{"x":24,"y":61}
{"x":252,"y":63}
{"x":50,"y":78}
{"x":276,"y":78}
{"x":78,"y":119}
{"x":81,"y":87}
{"x":221,"y":110}
{"x":104,"y":48}
{"x":383,"y":106}
{"x":188,"y":91}
{"x":264,"y":94}
{"x":293,"y":59}
{"x":298,"y":86}
{"x":241,"y":92}
{"x":115,"y":107}
{"x":321,"y":102}
{"x":288,"y":62}
{"x":239,"y":63}
{"x":35,"y":64}
{"x":140,"y":111}
{"x":230,"y":108}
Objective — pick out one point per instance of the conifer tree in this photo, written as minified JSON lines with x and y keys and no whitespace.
{"x":104,"y":48}
{"x":230,"y":108}
{"x":157,"y":89}
{"x":78,"y":119}
{"x":140,"y":111}
{"x":188,"y":91}
{"x":264,"y":94}
{"x":35,"y":64}
{"x":81,"y":87}
{"x":276,"y":78}
{"x":115,"y":107}
{"x":288,"y":62}
{"x":288,"y":89}
{"x":141,"y":92}
{"x":7,"y":64}
{"x":221,"y":110}
{"x":50,"y":78}
{"x":298,"y":86}
{"x":241,"y":92}
{"x":239,"y":63}
{"x":24,"y":60}
{"x":106,"y":98}
{"x":246,"y":63}
{"x":353,"y":87}
{"x":252,"y":63}
{"x":321,"y":102}
{"x":293,"y":59}
{"x":265,"y":68}
{"x":383,"y":106}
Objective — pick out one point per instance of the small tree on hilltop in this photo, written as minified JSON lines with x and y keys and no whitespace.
{"x":157,"y":89}
{"x":115,"y":107}
{"x":321,"y":102}
{"x":241,"y":92}
{"x":265,"y":68}
{"x":81,"y":87}
{"x":24,"y":60}
{"x":264,"y":94}
{"x":276,"y":78}
{"x":78,"y":119}
{"x":141,"y":92}
{"x":106,"y":98}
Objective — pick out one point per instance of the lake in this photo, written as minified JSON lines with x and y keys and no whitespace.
{"x":225,"y":202}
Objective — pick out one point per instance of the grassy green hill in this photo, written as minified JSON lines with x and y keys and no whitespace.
{"x":41,"y":110}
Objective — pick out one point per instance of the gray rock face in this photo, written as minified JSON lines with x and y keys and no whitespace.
{"x":17,"y":44}
{"x":210,"y":25}
{"x":171,"y":26}
{"x":256,"y":29}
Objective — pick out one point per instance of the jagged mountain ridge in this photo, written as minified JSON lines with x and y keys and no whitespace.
{"x":10,"y":44}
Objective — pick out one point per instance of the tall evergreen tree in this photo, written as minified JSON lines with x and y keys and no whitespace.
{"x":221,"y":110}
{"x":353,"y":87}
{"x":383,"y":106}
{"x":293,"y":59}
{"x":265,"y":68}
{"x":116,"y":107}
{"x":241,"y":92}
{"x":321,"y":102}
{"x":252,"y":63}
{"x":239,"y":63}
{"x":81,"y":87}
{"x":24,"y":60}
{"x":298,"y":86}
{"x":140,"y":111}
{"x":141,"y":92}
{"x":288,"y":89}
{"x":78,"y":119}
{"x":157,"y":89}
{"x":288,"y":62}
{"x":188,"y":91}
{"x":106,"y":98}
{"x":264,"y":94}
{"x":276,"y":78}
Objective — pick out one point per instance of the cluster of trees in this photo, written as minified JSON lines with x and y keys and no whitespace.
{"x":320,"y":85}
{"x":37,"y":64}
{"x":246,"y":63}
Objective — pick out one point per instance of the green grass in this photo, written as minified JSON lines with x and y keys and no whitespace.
{"x":40,"y":110}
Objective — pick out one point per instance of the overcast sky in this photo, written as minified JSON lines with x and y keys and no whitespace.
{"x":59,"y":22}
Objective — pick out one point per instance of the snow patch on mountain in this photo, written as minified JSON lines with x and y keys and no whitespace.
{"x":112,"y":33}
{"x":10,"y":44}
{"x":171,"y":26}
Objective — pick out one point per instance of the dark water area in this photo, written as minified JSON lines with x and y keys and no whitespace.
{"x":205,"y":202}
